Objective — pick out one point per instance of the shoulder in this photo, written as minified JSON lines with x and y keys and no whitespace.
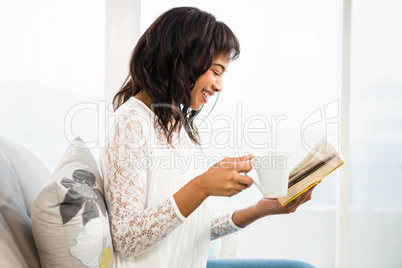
{"x":133,"y":107}
{"x":131,"y":121}
{"x":133,"y":113}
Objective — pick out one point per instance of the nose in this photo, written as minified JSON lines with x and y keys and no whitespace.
{"x":217,"y":85}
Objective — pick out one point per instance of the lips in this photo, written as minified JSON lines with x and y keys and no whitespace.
{"x":206,"y":94}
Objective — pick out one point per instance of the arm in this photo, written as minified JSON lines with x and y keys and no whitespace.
{"x":134,"y":228}
{"x":222,"y":225}
{"x":230,"y":223}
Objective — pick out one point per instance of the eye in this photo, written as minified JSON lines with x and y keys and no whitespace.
{"x":215,"y":72}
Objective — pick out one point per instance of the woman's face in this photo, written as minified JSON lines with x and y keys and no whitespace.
{"x":208,"y":83}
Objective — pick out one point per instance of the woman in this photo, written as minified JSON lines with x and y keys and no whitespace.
{"x":159,"y":212}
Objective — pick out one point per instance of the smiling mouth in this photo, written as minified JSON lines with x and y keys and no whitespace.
{"x":206,"y":94}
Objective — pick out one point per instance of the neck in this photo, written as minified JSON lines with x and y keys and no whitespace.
{"x":142,"y":96}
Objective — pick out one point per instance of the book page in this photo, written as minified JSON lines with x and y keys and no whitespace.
{"x":317,"y":164}
{"x":311,"y":179}
{"x":321,"y":154}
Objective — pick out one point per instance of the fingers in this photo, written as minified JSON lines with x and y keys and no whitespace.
{"x":230,"y":180}
{"x":306,"y":196}
{"x":244,"y":180}
{"x":238,"y":187}
{"x":303,"y":198}
{"x":240,"y":164}
{"x":241,"y":158}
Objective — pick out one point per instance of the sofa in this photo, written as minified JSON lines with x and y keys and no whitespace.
{"x":52,"y":219}
{"x":22,"y":175}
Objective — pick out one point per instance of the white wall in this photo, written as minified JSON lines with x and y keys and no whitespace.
{"x":52,"y":59}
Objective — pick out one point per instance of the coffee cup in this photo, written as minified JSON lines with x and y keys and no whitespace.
{"x":272,"y":170}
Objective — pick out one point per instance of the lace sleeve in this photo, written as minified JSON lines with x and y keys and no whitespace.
{"x":222,"y":225}
{"x":134,"y":228}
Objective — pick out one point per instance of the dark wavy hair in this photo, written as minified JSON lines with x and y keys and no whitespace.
{"x":167,"y":60}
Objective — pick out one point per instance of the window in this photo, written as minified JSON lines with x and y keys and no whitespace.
{"x":52,"y":59}
{"x":375,"y":134}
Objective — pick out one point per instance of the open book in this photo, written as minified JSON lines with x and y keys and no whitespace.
{"x":319,"y":162}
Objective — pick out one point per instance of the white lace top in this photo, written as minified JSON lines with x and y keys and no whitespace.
{"x":142,"y":172}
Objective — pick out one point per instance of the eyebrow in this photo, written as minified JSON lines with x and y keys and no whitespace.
{"x":220,"y":65}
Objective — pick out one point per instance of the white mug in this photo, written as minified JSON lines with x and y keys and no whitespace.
{"x":273,"y":173}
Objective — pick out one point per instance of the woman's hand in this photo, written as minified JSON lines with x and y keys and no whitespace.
{"x":268,"y":206}
{"x":271,"y":206}
{"x":224,"y":178}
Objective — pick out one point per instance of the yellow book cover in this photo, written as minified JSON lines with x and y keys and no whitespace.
{"x":316,"y":165}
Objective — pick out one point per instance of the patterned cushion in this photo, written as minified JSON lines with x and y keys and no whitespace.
{"x":69,"y":218}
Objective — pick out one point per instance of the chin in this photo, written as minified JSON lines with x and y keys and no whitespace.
{"x":196,"y":107}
